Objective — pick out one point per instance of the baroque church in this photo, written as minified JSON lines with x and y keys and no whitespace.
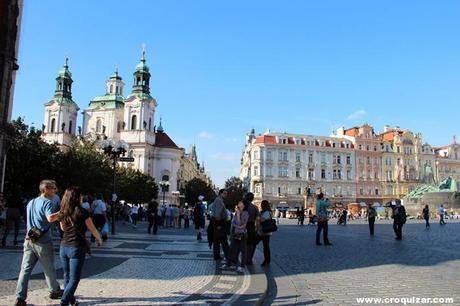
{"x":130,"y":119}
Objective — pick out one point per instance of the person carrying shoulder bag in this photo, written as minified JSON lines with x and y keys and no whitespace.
{"x":265,"y":215}
{"x":41,"y":212}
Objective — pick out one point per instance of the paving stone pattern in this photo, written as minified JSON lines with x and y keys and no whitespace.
{"x":134,"y":268}
{"x":426,"y":263}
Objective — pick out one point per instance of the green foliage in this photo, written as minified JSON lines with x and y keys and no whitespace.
{"x":235,"y":190}
{"x":135,"y":186}
{"x":81,"y":164}
{"x":197,"y":187}
{"x":30,"y":160}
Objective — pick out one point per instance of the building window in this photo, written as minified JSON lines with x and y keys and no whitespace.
{"x":297,"y":157}
{"x":279,"y":190}
{"x":348,"y":175}
{"x":310,"y":174}
{"x":133,"y":122}
{"x":99,"y":126}
{"x":269,"y":155}
{"x":348,"y":160}
{"x":323,"y":174}
{"x":282,"y":156}
{"x":70,"y":127}
{"x":256,"y":155}
{"x":299,"y":190}
{"x":282,"y":172}
{"x":310,"y":158}
{"x":269,"y":171}
{"x":323,"y":157}
{"x":376,"y":191}
{"x":111,"y":89}
{"x":297,"y":172}
{"x":150,"y":124}
{"x":339,"y":174}
{"x":361,"y":191}
{"x":53,"y":125}
{"x":368,"y":159}
{"x":256,"y":171}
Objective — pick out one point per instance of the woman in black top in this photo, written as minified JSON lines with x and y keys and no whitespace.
{"x":426,"y":216}
{"x":74,"y":220}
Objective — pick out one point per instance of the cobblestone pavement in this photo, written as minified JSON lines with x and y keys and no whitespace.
{"x":134,"y":268}
{"x":425,"y":264}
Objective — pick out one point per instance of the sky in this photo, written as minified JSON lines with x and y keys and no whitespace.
{"x":221,"y":68}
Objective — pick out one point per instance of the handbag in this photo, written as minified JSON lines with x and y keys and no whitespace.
{"x":238,"y":236}
{"x":34,"y":234}
{"x":269,"y":225}
{"x":87,"y":245}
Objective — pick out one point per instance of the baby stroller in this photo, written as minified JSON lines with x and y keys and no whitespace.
{"x":341,"y":219}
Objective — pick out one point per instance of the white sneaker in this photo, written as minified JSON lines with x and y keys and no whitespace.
{"x":227,"y":267}
{"x":240,"y":270}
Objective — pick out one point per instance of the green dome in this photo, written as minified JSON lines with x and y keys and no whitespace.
{"x":115,"y":76}
{"x":65,"y":72}
{"x":142,"y":67}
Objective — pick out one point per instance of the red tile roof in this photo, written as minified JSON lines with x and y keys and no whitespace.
{"x":266,"y":139}
{"x":162,"y":140}
{"x":354,"y":131}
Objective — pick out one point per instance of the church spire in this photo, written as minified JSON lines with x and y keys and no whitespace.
{"x":64,"y":82}
{"x":160,"y":127}
{"x":141,"y":76}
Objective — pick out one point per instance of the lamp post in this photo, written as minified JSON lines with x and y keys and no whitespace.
{"x":114,"y":150}
{"x":164,"y":187}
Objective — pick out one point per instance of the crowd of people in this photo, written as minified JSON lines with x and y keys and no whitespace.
{"x":236,"y":231}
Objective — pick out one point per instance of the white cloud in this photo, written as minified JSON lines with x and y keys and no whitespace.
{"x":223,"y":156}
{"x":206,"y":135}
{"x":356,"y":115}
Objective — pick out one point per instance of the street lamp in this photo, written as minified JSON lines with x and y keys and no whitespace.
{"x":164,"y":187}
{"x":114,"y":150}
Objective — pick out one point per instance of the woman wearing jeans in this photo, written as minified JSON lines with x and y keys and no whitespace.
{"x":74,"y":220}
{"x":265,"y":214}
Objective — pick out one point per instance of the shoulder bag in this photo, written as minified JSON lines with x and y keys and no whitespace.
{"x":34,"y":234}
{"x":269,"y":225}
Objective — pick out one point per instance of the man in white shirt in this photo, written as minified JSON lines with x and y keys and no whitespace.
{"x":441,"y":213}
{"x":86,"y":205}
{"x":99,"y":215}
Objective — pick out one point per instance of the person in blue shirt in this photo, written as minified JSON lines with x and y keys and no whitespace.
{"x":321,"y":212}
{"x":41,"y":212}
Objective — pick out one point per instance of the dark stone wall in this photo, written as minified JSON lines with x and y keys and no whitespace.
{"x":10,"y":16}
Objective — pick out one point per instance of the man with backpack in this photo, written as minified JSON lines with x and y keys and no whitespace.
{"x":198,"y":217}
{"x":399,"y":218}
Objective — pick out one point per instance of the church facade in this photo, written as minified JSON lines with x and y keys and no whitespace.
{"x":118,"y":117}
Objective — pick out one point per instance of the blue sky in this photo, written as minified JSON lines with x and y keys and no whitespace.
{"x":220,"y":68}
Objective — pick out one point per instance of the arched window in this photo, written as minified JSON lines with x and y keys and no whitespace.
{"x":133,"y":122}
{"x":111,"y":89}
{"x":99,"y":126}
{"x":116,"y":90}
{"x":150,"y":124}
{"x":70,"y":127}
{"x":53,"y":125}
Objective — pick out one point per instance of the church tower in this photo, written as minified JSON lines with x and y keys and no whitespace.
{"x":140,"y":106}
{"x":138,"y":120}
{"x":61,"y":111}
{"x":104,"y":115}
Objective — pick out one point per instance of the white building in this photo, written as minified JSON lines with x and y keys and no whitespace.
{"x":286,"y":168}
{"x":115,"y":116}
